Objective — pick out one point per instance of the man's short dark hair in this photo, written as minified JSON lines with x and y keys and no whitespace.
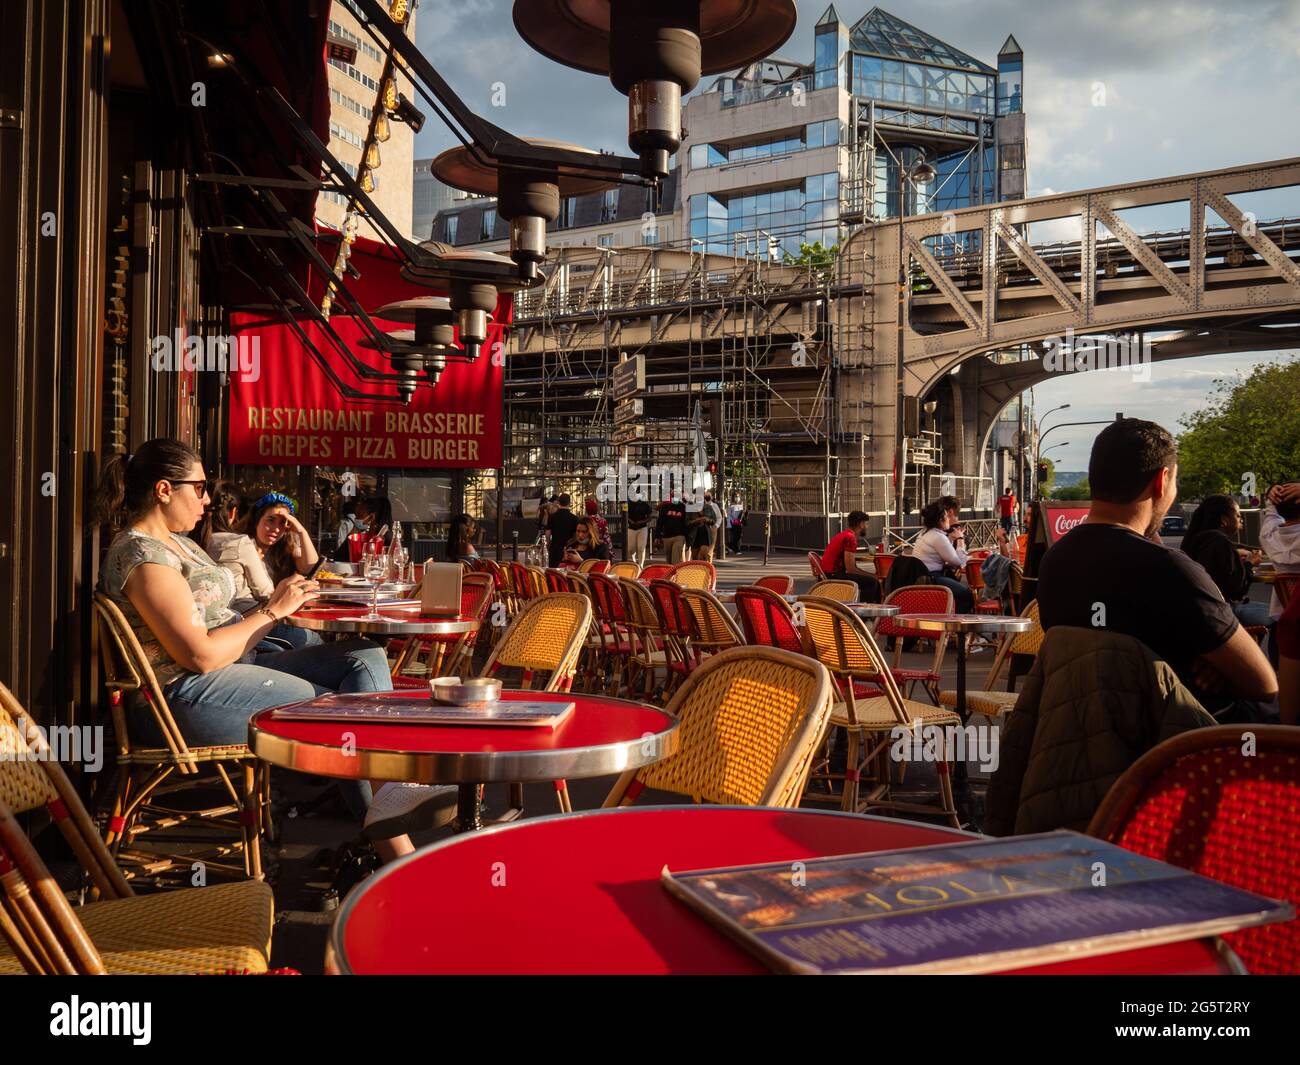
{"x":950,"y":503}
{"x":1125,"y":456}
{"x":856,"y":516}
{"x":564,"y":499}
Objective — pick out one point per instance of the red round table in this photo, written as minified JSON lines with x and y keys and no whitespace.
{"x":580,"y":893}
{"x":602,"y":736}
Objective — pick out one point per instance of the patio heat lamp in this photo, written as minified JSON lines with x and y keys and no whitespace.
{"x":472,"y":302}
{"x":422,"y":348}
{"x":527,"y":197}
{"x":653,"y":51}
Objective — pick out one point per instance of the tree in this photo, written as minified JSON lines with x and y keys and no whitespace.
{"x":1082,"y":490}
{"x":1247,"y":436}
{"x":815,"y":255}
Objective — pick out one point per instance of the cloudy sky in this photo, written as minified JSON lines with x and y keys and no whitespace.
{"x":1188,"y":85}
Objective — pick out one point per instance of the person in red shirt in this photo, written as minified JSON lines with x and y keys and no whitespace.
{"x":840,"y":559}
{"x":1007,"y":508}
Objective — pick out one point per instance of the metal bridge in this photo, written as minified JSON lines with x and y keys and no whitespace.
{"x":801,"y":360}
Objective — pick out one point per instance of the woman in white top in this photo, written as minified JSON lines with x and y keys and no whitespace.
{"x":943,"y":547}
{"x":238,"y":553}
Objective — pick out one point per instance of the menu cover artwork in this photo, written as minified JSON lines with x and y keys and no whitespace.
{"x":416,"y":712}
{"x":966,"y":907}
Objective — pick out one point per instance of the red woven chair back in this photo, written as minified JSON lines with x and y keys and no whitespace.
{"x":595,"y":565}
{"x":695,"y":574}
{"x":557,"y":581}
{"x":490,"y":567}
{"x":782,"y":584}
{"x":767,"y":619}
{"x":815,"y":564}
{"x":674,"y":614}
{"x":1204,"y":801}
{"x":522,"y":580}
{"x":915,"y":599}
{"x":607,"y":598}
{"x":476,"y":591}
{"x":654,"y":572}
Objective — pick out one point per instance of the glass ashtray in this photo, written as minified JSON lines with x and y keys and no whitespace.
{"x":456,"y":692}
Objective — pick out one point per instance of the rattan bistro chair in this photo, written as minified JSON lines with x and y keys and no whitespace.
{"x":647,"y":637}
{"x":213,"y":929}
{"x":917,"y":599}
{"x":989,"y":701}
{"x":630,"y":570}
{"x":424,"y":657}
{"x":781,"y":583}
{"x":815,"y":565}
{"x":714,"y":628}
{"x":840,"y":591}
{"x":695,"y":573}
{"x":767,"y":620}
{"x":546,"y":637}
{"x":147,"y":775}
{"x":839,"y":639}
{"x":1202,"y":802}
{"x":750,"y":721}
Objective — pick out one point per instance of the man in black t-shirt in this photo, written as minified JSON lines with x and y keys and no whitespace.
{"x":562,"y":523}
{"x":1113,"y":572}
{"x":639,"y":513}
{"x":670,"y":527}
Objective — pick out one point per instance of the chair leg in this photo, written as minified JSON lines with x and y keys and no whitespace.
{"x":250,"y":797}
{"x":562,"y":794}
{"x":849,"y":800}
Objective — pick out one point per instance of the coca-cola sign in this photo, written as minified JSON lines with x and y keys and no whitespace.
{"x":1060,"y":520}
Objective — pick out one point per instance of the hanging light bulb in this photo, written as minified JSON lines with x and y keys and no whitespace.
{"x":381,"y":127}
{"x":397,"y":11}
{"x":367,"y":182}
{"x":372,"y":157}
{"x":390,"y":94}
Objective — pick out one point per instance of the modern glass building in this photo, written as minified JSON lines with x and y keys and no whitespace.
{"x":786,"y":153}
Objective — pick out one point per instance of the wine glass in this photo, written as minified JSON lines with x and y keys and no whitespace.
{"x":375,"y":570}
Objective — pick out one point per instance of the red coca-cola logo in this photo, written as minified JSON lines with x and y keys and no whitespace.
{"x":1065,"y":520}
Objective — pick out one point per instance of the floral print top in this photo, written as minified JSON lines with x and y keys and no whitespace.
{"x":213,"y":587}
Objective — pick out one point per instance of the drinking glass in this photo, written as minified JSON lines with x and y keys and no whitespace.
{"x":375,"y":571}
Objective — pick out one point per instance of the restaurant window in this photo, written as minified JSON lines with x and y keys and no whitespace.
{"x":489,"y":223}
{"x":453,"y":221}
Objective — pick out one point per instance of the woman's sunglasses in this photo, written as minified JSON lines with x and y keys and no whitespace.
{"x":203,"y":489}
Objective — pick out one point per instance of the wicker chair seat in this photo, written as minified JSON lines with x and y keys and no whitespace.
{"x":905,"y":675}
{"x":156,"y":755}
{"x":176,"y":933}
{"x":875,"y":715}
{"x":990,"y":704}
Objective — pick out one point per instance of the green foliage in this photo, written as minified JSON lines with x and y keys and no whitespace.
{"x":1082,"y":490}
{"x":1250,"y":425}
{"x":815,"y":254}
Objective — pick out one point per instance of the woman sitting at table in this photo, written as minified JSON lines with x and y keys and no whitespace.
{"x":585,"y":544}
{"x":460,"y":538}
{"x":942,"y":549}
{"x":236,"y":552}
{"x":279,"y":538}
{"x":204,"y":654}
{"x":1211,"y":539}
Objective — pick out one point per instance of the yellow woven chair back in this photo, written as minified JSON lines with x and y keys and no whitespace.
{"x":750,"y":720}
{"x":1031,"y":640}
{"x":547,"y":635}
{"x":840,"y":591}
{"x":629,"y":570}
{"x":715,"y":629}
{"x":846,"y":647}
{"x":693,"y":574}
{"x":640,"y":607}
{"x":31,"y":777}
{"x":126,"y":669}
{"x":24,"y":785}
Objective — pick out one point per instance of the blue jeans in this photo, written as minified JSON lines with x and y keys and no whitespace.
{"x":212,"y":709}
{"x":963,"y":598}
{"x":1250,"y":613}
{"x":290,"y":637}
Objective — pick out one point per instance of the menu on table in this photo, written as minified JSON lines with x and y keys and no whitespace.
{"x":521,"y":713}
{"x":967,"y":907}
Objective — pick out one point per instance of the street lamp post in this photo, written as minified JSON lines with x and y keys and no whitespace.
{"x":922,"y":173}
